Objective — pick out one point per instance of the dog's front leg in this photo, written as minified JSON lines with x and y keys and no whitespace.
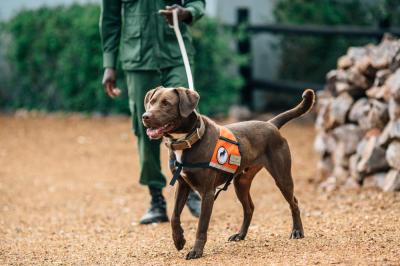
{"x":181,"y":196}
{"x":201,"y":235}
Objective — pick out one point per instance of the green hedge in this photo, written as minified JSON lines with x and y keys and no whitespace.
{"x":55,"y":56}
{"x":310,"y":58}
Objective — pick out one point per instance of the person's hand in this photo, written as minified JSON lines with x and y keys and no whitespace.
{"x":183,"y":14}
{"x":109,"y":79}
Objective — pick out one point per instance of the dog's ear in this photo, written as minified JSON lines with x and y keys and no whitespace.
{"x":188,"y":100}
{"x":150,"y":94}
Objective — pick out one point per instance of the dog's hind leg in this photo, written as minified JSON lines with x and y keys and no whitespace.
{"x":242,"y":188}
{"x":278,"y":165}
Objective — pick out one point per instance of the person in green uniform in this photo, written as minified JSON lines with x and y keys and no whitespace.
{"x":138,"y":32}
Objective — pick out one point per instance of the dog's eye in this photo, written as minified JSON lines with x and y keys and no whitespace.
{"x":165,"y":103}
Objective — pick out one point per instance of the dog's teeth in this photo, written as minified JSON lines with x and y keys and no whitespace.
{"x":157,"y":132}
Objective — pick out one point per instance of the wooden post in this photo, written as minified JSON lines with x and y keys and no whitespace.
{"x":244,"y":48}
{"x":384,"y":24}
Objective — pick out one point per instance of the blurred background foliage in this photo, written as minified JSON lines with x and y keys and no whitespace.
{"x":215,"y":67}
{"x":309,"y":58}
{"x":54,"y":56}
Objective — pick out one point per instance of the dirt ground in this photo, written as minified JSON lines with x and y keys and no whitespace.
{"x":69,"y":194}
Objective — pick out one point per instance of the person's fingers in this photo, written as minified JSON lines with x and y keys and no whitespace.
{"x":110,"y":89}
{"x":116,"y":92}
{"x":170,"y":7}
{"x":167,"y":15}
{"x":165,"y":12}
{"x":170,"y":20}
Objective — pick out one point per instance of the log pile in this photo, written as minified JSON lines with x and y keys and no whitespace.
{"x":358,"y":121}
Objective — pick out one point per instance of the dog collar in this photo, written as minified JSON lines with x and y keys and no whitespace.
{"x":187,"y":142}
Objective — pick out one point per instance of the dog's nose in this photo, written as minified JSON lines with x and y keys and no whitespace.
{"x":146,"y":116}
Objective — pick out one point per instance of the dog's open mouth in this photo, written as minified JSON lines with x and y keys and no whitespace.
{"x":156,"y":133}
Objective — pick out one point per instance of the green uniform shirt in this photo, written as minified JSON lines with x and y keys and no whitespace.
{"x":142,"y":36}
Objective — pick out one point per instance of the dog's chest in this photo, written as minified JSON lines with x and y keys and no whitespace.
{"x":184,"y":175}
{"x":178,"y":153}
{"x":178,"y":156}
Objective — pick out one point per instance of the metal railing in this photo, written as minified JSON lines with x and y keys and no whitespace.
{"x":244,"y":48}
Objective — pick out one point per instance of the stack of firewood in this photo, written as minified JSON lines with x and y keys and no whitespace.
{"x":358,"y":122}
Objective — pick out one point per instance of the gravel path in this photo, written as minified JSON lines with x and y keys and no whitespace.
{"x":69,"y":195}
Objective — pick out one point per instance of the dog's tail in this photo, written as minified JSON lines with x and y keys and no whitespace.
{"x":302,"y":108}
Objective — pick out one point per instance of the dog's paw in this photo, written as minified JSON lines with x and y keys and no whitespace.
{"x":179,"y":242}
{"x":193,"y":254}
{"x":236,"y":237}
{"x":296,"y":234}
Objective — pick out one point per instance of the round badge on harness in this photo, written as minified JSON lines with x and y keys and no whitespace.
{"x":222,"y":155}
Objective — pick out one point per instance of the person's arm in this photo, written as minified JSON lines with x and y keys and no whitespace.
{"x":110,"y":32}
{"x":196,"y":9}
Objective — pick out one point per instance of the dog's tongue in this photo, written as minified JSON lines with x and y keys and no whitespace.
{"x":155,"y":133}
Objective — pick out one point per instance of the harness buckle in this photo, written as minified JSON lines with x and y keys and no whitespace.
{"x":198,"y":133}
{"x":188,"y":143}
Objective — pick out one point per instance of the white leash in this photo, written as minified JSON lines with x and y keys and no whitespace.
{"x":182,"y":48}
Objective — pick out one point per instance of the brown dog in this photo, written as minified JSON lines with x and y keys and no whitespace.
{"x":170,"y":112}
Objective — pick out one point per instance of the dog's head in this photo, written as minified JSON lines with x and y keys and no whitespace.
{"x":167,"y":109}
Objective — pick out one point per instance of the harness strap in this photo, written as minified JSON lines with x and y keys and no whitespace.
{"x":179,"y":166}
{"x":225,"y":187}
{"x":229,"y":140}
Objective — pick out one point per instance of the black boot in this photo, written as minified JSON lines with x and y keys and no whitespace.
{"x":194,"y":204}
{"x":157,"y":213}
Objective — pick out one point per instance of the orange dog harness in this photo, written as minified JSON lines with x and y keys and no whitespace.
{"x":226,"y":156}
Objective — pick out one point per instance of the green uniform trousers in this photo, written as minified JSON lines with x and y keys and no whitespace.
{"x":139,"y":83}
